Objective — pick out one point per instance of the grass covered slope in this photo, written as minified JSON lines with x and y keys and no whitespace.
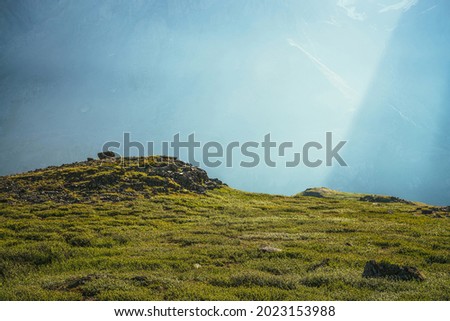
{"x":166,"y":242}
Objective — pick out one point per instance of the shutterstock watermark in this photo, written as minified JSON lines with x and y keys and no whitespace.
{"x":250,"y":153}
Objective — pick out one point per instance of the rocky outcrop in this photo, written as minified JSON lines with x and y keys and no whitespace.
{"x":112,"y":179}
{"x":383,"y":199}
{"x":317,"y":192}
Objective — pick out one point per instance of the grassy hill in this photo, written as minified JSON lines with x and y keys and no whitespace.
{"x":109,"y":230}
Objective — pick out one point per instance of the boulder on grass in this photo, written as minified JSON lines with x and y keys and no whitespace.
{"x":269,"y":249}
{"x":372,"y":269}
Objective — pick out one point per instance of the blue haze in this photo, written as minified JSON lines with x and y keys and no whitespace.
{"x":75,"y":74}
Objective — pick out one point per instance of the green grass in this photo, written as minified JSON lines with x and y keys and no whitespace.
{"x":114,"y":231}
{"x":185,"y":246}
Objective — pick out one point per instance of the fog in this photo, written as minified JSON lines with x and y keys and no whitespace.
{"x":76,"y":74}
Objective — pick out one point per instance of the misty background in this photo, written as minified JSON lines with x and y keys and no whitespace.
{"x":76,"y":74}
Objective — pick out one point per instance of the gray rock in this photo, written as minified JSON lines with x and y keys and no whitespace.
{"x":269,"y":249}
{"x":383,"y":199}
{"x":372,"y":269}
{"x":106,"y":155}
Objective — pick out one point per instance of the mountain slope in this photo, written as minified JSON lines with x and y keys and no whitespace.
{"x":168,"y":242}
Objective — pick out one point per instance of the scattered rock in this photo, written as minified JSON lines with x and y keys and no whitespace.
{"x":269,"y":249}
{"x":372,"y":269}
{"x":383,"y":199}
{"x":197,"y":266}
{"x":435,"y":211}
{"x":440,"y":208}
